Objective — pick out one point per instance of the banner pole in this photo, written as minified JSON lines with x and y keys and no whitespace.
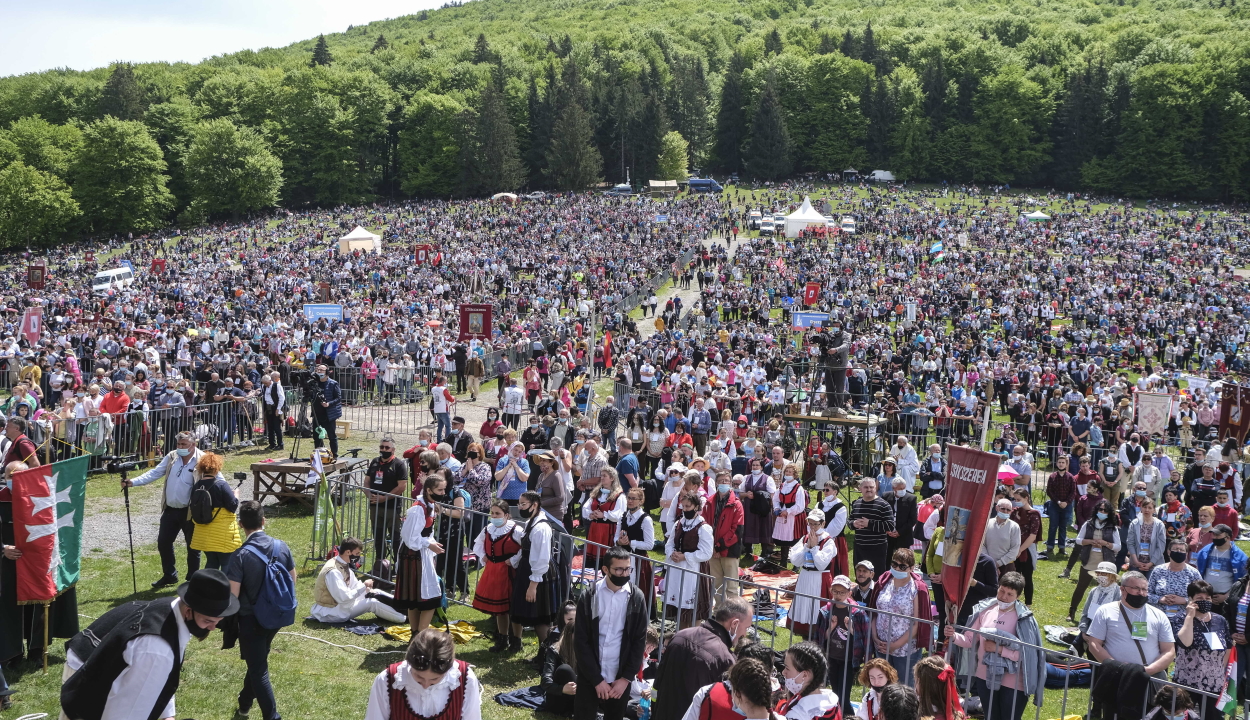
{"x":985,"y":426}
{"x":47,"y":608}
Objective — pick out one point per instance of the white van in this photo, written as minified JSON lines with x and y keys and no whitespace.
{"x":848,"y":225}
{"x":116,"y":278}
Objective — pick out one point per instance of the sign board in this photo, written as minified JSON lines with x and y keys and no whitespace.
{"x":158,"y":266}
{"x":801,"y":320}
{"x":475,"y":322}
{"x":811,"y":293}
{"x":317,"y":312}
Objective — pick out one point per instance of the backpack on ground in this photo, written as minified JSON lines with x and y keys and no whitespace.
{"x":275,"y":604}
{"x":202,"y":510}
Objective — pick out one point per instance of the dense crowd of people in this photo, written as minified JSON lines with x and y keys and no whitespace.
{"x":719,"y":453}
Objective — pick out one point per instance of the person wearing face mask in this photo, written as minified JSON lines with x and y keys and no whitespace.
{"x":689,"y":548}
{"x":1131,"y":455}
{"x":790,"y":506}
{"x":603,"y":513}
{"x":836,"y":515}
{"x":542,"y":571}
{"x":758,"y":489}
{"x":328,"y":406}
{"x":875,"y":676}
{"x":1131,"y":631}
{"x":1004,"y":673}
{"x":698,"y":656}
{"x":724,"y":513}
{"x":1221,"y":563}
{"x":636,"y":533}
{"x":1061,"y":493}
{"x":120,"y":654}
{"x":1226,"y":513}
{"x":610,"y":638}
{"x":178,"y":470}
{"x":1002,"y":537}
{"x":1145,"y":540}
{"x":1203,"y":643}
{"x":932,"y":473}
{"x":903,"y":593}
{"x":430,"y":683}
{"x":417,"y":590}
{"x":670,"y":496}
{"x":339,"y":596}
{"x":1169,"y":581}
{"x":803,"y":676}
{"x":496,"y":545}
{"x":1099,"y":542}
{"x":903,"y":503}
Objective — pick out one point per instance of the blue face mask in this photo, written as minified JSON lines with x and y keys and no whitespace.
{"x":183,"y":452}
{"x":1102,"y":516}
{"x":1139,"y":493}
{"x":498,"y":522}
{"x":722,"y":489}
{"x":1003,"y":515}
{"x":1017,"y":503}
{"x":898,"y":574}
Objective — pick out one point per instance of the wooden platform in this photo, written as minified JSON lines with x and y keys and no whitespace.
{"x":286,"y":480}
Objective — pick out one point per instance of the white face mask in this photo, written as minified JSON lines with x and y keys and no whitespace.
{"x":795,"y":685}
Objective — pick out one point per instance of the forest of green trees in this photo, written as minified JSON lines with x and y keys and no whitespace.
{"x":1145,"y":98}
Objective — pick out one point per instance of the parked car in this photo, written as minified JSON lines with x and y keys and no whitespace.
{"x":536,"y":195}
{"x":621,"y":190}
{"x":767,"y":227}
{"x":707,"y":185}
{"x":848,"y":225}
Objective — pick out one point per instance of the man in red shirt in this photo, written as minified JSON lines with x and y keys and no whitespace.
{"x":723,"y":512}
{"x":21,"y":448}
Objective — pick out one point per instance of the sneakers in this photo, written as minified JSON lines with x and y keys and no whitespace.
{"x":1063,"y":575}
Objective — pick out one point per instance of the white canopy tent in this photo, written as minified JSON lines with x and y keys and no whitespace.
{"x":804,"y":217}
{"x":362,"y":240}
{"x":1036,"y":216}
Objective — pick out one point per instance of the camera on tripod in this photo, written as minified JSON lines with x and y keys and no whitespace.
{"x":121,"y":463}
{"x":311,"y":390}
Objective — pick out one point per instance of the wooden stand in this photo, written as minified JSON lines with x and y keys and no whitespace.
{"x":857,"y":449}
{"x":287,"y":480}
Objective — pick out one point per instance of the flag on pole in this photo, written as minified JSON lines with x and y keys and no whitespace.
{"x":936,"y":247}
{"x":47,"y":528}
{"x":811,"y":293}
{"x":607,"y":350}
{"x":970,"y":480}
{"x":1228,"y":699}
{"x":316,"y":470}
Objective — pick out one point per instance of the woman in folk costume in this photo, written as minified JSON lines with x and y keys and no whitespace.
{"x":637,"y":534}
{"x":836,"y":515}
{"x":789,"y":505}
{"x":813,"y":557}
{"x":816,"y":469}
{"x":607,"y":505}
{"x":541,"y":582}
{"x":429,"y":684}
{"x":493,"y":594}
{"x":689,"y":548}
{"x":756,"y":493}
{"x":417,"y":590}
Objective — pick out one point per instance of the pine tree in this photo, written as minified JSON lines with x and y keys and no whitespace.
{"x":321,"y":53}
{"x":481,"y":50}
{"x":768,"y":151}
{"x":772,"y":42}
{"x":552,"y":47}
{"x":495,"y":163}
{"x":122,"y":96}
{"x":868,"y":51}
{"x":826,"y":45}
{"x":573,"y":163}
{"x":731,"y":118}
{"x":649,"y":135}
{"x":566,"y":46}
{"x":879,"y":109}
{"x":380,"y":44}
{"x":848,"y":46}
{"x":934,"y":83}
{"x":541,"y":119}
{"x":966,"y":91}
{"x":1079,"y":123}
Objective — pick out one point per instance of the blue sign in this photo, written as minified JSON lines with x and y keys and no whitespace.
{"x":800,"y":320}
{"x":316,"y":312}
{"x":661,"y":218}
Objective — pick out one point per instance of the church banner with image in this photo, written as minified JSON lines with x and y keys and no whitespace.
{"x":47,"y":524}
{"x":970,"y":481}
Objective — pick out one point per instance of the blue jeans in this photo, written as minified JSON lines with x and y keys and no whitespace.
{"x":905,"y":665}
{"x":444,"y":425}
{"x":1059,"y":519}
{"x":254,"y":643}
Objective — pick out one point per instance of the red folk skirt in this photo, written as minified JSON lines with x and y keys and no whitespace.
{"x":493,"y":594}
{"x":601,"y":532}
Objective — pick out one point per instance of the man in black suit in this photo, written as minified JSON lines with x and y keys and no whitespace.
{"x":459,"y":439}
{"x":904,"y":504}
{"x":611,"y":639}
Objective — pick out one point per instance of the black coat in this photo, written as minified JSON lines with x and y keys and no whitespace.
{"x":696,"y":657}
{"x":904,"y":517}
{"x":633,"y":641}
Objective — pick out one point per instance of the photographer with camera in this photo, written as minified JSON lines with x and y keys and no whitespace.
{"x":327,"y":404}
{"x":178,"y":470}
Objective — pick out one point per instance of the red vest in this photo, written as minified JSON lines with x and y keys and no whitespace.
{"x":605,"y":507}
{"x":783,"y":707}
{"x":399,"y":701}
{"x":429,"y":516}
{"x":718,"y":704}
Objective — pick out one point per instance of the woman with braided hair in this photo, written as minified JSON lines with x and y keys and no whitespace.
{"x":428,"y":684}
{"x":804,"y":676}
{"x":752,"y":689}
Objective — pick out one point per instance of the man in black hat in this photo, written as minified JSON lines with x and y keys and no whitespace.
{"x":459,"y":439}
{"x":114,"y":668}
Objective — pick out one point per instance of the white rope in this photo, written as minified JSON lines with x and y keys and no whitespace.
{"x":33,"y":716}
{"x":345,"y":647}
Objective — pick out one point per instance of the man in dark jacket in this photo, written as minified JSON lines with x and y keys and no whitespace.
{"x":698,"y":656}
{"x":329,"y":406}
{"x":904,"y":505}
{"x":610,"y":640}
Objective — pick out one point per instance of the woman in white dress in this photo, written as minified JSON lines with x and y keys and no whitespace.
{"x":669,"y":505}
{"x":687,"y":552}
{"x":813,"y":557}
{"x":430,"y":681}
{"x":417,"y":591}
{"x":789,"y":505}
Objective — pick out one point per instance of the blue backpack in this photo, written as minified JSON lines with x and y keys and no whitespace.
{"x":275,"y":604}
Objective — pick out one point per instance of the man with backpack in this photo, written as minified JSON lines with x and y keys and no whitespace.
{"x":262,"y":576}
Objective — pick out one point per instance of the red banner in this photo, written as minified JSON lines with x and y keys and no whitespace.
{"x":970,"y":480}
{"x":158,"y":265}
{"x":1234,"y":418}
{"x":811,"y":293}
{"x":32,"y":325}
{"x":36,"y":275}
{"x":607,"y":350}
{"x":475,"y":322}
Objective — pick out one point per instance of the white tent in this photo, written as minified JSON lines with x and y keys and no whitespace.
{"x":1036,"y":216}
{"x":803,"y":218}
{"x":362,"y":240}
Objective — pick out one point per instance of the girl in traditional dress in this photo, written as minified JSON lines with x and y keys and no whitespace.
{"x":417,"y":591}
{"x":789,"y":505}
{"x":689,"y":547}
{"x":814,"y":559}
{"x":756,"y":493}
{"x":429,"y":684}
{"x":604,"y":511}
{"x":806,"y":697}
{"x":836,"y":514}
{"x":493,"y":595}
{"x":637,"y":533}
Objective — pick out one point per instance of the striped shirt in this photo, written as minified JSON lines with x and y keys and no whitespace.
{"x":880,"y":518}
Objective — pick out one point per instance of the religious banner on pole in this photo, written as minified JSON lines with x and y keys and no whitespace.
{"x":475,"y":321}
{"x":32,"y":325}
{"x":37,"y":274}
{"x":970,"y":480}
{"x":1234,"y":412}
{"x":811,"y":293}
{"x":423,"y":253}
{"x":47,"y":524}
{"x":158,"y":266}
{"x":1153,"y":412}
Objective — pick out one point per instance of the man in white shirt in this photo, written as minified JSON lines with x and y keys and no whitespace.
{"x":132,"y":655}
{"x":1131,"y":630}
{"x":610,"y":640}
{"x":337,"y":583}
{"x":178,"y":470}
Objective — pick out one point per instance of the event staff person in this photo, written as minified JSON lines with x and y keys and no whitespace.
{"x":273,"y":398}
{"x":329,"y":407}
{"x":113,"y":668}
{"x":610,"y":636}
{"x":428,"y":684}
{"x":872,"y":519}
{"x":339,"y":596}
{"x":724,"y":514}
{"x":698,"y":656}
{"x":21,"y":448}
{"x":387,"y":482}
{"x":542,"y":572}
{"x":178,"y":470}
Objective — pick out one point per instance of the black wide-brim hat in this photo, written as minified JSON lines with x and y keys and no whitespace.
{"x":208,"y":593}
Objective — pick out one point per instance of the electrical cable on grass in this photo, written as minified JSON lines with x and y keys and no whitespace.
{"x":345,"y":647}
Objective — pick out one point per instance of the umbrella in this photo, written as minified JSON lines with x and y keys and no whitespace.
{"x":434,"y":323}
{"x":1006,"y":472}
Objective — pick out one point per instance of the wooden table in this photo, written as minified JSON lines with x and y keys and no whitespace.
{"x":286,"y":480}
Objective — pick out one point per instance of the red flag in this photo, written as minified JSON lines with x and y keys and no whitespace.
{"x":970,"y":480}
{"x":811,"y":293}
{"x":32,"y":325}
{"x":607,"y":349}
